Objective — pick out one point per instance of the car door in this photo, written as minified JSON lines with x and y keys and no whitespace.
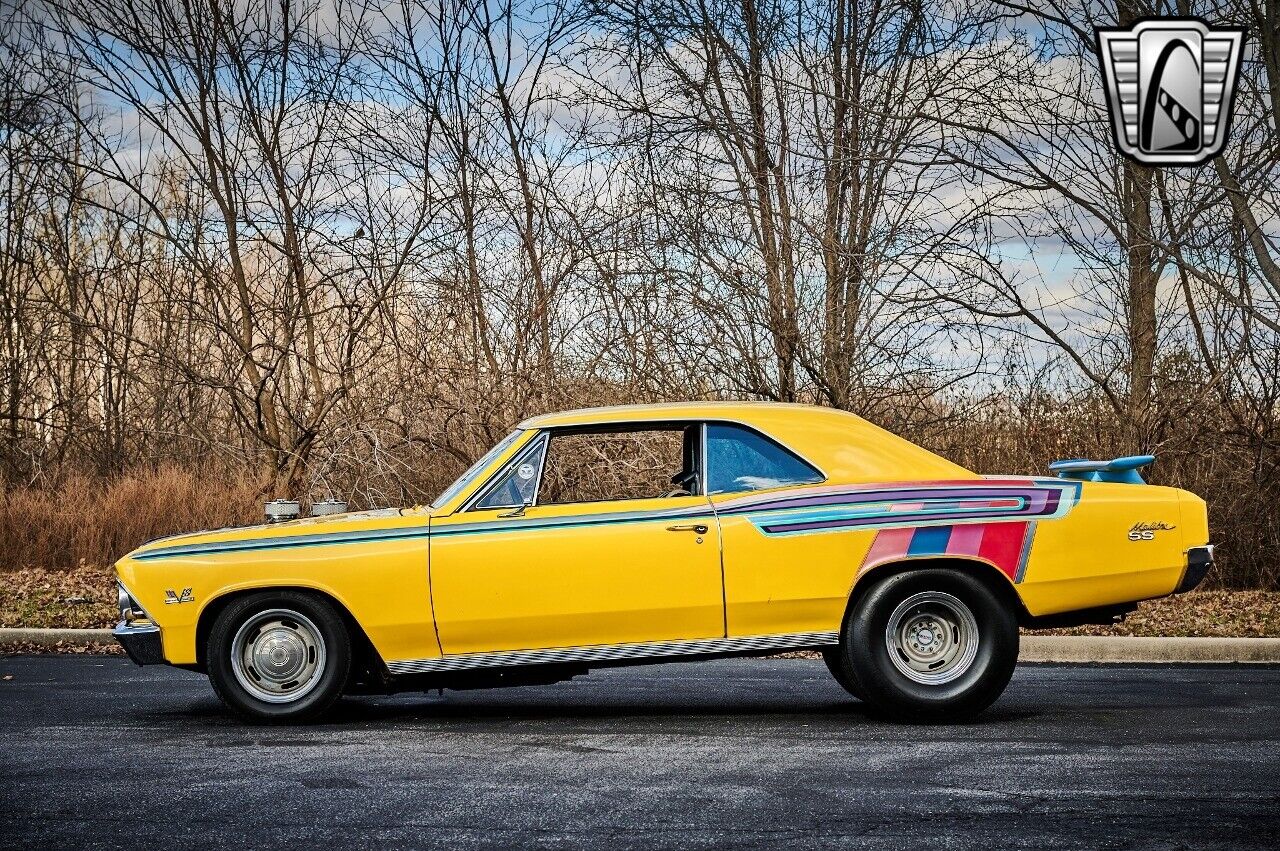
{"x":583,"y":539}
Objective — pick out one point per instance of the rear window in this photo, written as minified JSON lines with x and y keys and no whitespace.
{"x":739,"y":459}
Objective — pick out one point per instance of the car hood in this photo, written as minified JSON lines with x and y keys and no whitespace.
{"x":355,"y":521}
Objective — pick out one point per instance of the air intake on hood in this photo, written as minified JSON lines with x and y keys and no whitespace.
{"x":328,"y":506}
{"x":279,"y":510}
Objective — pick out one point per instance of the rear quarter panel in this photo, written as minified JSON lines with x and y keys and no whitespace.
{"x":1088,"y":557}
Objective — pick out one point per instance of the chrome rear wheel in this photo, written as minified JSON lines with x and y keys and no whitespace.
{"x":931,"y":644}
{"x":932,"y":637}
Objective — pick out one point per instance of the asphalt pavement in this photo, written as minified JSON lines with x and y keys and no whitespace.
{"x":97,"y":753}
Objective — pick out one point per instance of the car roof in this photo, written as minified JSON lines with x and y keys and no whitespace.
{"x":663,"y":412}
{"x":845,"y":447}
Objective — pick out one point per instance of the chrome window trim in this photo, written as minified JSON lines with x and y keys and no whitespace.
{"x":545,"y":434}
{"x":703,"y":475}
{"x":542,"y":465}
{"x":687,"y":420}
{"x":542,"y":438}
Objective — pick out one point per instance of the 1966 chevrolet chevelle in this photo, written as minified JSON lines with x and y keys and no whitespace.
{"x":618,"y":536}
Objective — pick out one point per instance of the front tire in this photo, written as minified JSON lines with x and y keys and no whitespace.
{"x":930,"y":645}
{"x":279,"y":656}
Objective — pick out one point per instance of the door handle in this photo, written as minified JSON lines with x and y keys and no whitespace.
{"x":689,"y":527}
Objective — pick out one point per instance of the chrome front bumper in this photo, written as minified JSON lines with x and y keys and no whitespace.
{"x":141,"y":641}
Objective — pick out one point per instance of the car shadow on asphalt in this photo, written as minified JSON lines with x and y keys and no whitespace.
{"x":433,"y":709}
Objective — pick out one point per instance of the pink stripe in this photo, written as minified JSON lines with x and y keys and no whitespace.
{"x":966,"y":539}
{"x":889,"y":543}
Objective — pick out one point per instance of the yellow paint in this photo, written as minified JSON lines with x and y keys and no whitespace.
{"x":383,"y":584}
{"x":577,"y":585}
{"x":621,"y":581}
{"x":789,"y":583}
{"x":1086,"y":558}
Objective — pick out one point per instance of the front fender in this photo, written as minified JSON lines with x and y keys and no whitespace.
{"x":381,"y":582}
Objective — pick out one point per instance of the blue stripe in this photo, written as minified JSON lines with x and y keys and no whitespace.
{"x":283,"y":543}
{"x":929,"y":541}
{"x":484,"y":526}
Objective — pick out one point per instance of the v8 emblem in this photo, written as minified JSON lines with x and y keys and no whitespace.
{"x":171,"y":596}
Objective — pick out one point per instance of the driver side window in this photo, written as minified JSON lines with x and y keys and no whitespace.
{"x":600,"y":466}
{"x":610,"y":466}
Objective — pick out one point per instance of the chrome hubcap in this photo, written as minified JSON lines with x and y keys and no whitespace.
{"x":932,"y":638}
{"x":278,"y":656}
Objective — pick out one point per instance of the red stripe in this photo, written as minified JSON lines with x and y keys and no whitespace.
{"x":1002,"y":545}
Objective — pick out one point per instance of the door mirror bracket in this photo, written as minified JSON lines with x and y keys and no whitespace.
{"x":518,"y":511}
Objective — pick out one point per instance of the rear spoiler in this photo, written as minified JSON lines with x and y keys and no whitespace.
{"x":1116,"y":470}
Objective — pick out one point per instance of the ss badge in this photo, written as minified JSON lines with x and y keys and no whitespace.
{"x":1147,"y":531}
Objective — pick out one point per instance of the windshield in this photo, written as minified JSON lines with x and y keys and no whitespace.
{"x":476,"y":469}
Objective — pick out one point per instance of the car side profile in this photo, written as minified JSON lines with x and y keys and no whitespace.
{"x":640,"y":534}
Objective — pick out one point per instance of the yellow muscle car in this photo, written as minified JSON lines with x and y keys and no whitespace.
{"x":629,"y":535}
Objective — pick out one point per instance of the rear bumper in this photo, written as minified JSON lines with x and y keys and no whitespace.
{"x":1199,"y":562}
{"x":142,"y":642}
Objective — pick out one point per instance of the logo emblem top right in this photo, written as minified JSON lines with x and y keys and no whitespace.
{"x":1170,"y":83}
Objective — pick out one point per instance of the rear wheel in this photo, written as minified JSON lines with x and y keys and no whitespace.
{"x":280,"y":656}
{"x":930,"y":645}
{"x":834,"y":657}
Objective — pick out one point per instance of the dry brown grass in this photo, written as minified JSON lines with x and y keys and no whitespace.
{"x":89,"y":520}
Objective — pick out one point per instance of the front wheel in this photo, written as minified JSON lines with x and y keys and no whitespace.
{"x":930,"y":645}
{"x":279,"y":656}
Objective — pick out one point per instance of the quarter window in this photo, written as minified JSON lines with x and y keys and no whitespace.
{"x":518,"y":484}
{"x":739,"y":459}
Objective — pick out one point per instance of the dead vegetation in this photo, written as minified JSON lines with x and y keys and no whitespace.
{"x":260,"y":249}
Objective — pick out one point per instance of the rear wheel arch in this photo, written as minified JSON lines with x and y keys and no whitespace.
{"x":984,"y":571}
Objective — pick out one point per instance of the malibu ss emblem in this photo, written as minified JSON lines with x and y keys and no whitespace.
{"x":171,"y":596}
{"x":1147,"y":531}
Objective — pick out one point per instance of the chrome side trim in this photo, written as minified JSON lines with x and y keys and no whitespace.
{"x":614,"y":652}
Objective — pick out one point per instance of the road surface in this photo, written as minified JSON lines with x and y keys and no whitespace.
{"x":740,"y":753}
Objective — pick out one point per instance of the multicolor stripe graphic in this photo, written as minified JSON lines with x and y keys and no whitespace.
{"x":888,"y":506}
{"x":1005,"y":545}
